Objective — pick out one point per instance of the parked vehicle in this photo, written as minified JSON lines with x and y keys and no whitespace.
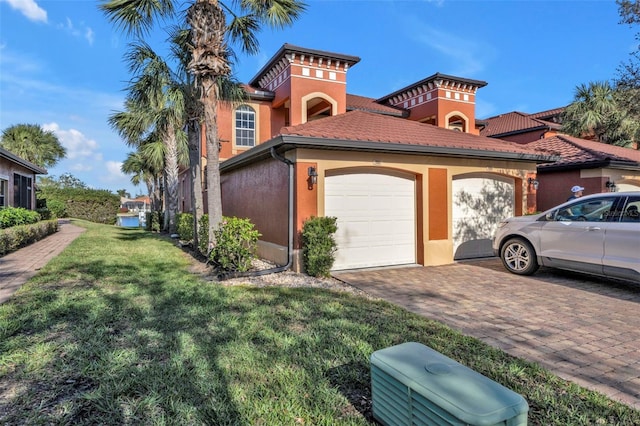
{"x":597,"y":234}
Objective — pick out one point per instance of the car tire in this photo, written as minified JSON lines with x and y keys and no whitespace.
{"x":519,"y":257}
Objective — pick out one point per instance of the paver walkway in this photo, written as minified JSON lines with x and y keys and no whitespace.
{"x":18,"y":267}
{"x":586,"y":330}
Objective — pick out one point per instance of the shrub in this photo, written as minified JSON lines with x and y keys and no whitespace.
{"x":45,"y":213}
{"x":153,"y":221}
{"x":58,"y":208}
{"x":185,"y":226}
{"x":94,"y":205}
{"x":318,"y":245}
{"x":203,"y":234}
{"x":14,"y":216}
{"x":236,"y":245}
{"x":15,"y":237}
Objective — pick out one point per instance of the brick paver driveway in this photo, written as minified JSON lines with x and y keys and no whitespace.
{"x":584,"y":329}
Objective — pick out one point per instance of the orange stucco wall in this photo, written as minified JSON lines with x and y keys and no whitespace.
{"x":438,"y":204}
{"x":226,"y":127}
{"x":525,"y":137}
{"x":259,"y":193}
{"x":306,"y":199}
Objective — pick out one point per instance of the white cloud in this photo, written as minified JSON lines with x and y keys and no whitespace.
{"x":463,"y":53}
{"x":113,"y":167}
{"x":89,"y":35}
{"x":80,"y":30}
{"x":29,"y":8}
{"x":78,"y":146}
{"x":114,"y":176}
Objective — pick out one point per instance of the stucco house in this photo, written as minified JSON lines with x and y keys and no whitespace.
{"x":17,"y":180}
{"x":408,"y":175}
{"x":595,"y":166}
{"x":521,"y":127}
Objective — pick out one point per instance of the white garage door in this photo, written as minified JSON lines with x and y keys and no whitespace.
{"x":376,"y":219}
{"x":479,"y":203}
{"x":627,"y":187}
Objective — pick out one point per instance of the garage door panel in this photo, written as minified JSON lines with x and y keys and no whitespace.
{"x":479,"y":204}
{"x":376,"y":219}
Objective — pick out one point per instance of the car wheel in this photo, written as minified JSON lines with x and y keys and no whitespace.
{"x":519,"y":257}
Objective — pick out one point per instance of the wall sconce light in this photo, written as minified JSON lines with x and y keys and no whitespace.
{"x":533,"y":182}
{"x":313,"y":176}
{"x":611,"y":186}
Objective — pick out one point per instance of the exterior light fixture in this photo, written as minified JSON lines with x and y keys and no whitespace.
{"x":533,"y":182}
{"x":611,"y":186}
{"x":313,"y":176}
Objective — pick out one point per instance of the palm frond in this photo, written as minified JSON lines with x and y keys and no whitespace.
{"x":136,"y":17}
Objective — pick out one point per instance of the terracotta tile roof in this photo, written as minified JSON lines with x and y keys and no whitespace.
{"x":372,"y":127}
{"x":520,"y":122}
{"x":545,"y":115}
{"x":576,"y":151}
{"x":362,"y":103}
{"x":510,"y":122}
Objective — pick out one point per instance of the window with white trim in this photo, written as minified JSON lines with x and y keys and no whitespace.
{"x":245,"y":126}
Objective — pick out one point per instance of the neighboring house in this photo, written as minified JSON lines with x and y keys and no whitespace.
{"x":17,"y":180}
{"x":407,"y":175}
{"x":598,"y":167}
{"x":523,"y":128}
{"x":138,"y":204}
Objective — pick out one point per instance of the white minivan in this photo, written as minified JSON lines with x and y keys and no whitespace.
{"x":597,"y":234}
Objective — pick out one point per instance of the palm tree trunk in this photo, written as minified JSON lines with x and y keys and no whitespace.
{"x":171,"y":172}
{"x":214,"y":191}
{"x":197,"y":209}
{"x":208,"y":62}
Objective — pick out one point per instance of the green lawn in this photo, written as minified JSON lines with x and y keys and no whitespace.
{"x":115,"y":330}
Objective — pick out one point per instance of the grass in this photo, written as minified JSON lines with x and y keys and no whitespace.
{"x":115,"y":330}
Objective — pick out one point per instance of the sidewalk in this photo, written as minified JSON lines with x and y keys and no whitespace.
{"x":18,"y":267}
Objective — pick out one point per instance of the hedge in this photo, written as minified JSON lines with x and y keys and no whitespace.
{"x":11,"y":239}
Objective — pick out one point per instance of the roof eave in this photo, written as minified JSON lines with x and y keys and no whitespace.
{"x":517,"y":132}
{"x":287,"y":142}
{"x":477,"y":83}
{"x":21,"y":161}
{"x":290,"y":48}
{"x":594,"y":164}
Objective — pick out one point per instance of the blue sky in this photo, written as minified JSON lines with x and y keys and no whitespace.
{"x":61,"y":61}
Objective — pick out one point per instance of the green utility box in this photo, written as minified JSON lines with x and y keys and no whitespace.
{"x":411,"y":384}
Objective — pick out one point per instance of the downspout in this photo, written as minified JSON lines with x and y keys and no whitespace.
{"x":275,"y":270}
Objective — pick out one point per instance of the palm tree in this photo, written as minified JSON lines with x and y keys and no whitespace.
{"x":229,"y":90}
{"x":597,"y":113}
{"x":34,"y":144}
{"x":143,"y":173}
{"x":210,"y":55}
{"x":155,"y":110}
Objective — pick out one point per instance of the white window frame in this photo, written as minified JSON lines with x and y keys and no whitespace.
{"x":245,"y":126}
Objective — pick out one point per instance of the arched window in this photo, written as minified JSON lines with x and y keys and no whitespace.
{"x":245,"y":126}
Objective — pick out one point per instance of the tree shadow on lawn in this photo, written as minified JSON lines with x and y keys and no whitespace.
{"x":115,"y":351}
{"x":353,"y":380}
{"x":134,"y":234}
